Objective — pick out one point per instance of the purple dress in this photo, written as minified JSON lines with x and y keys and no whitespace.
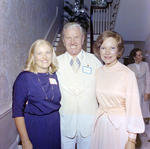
{"x":41,"y":115}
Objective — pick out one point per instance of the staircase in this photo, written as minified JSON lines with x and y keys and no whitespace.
{"x":60,"y":48}
{"x":101,"y":19}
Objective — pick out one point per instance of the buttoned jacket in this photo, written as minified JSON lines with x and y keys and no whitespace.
{"x":143,"y":78}
{"x":78,"y":96}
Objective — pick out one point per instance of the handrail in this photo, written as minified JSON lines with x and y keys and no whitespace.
{"x":52,"y":23}
{"x":107,"y":15}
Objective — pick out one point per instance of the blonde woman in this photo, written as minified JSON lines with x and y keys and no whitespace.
{"x":36,"y":98}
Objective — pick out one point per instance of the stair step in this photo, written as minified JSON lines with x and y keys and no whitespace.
{"x":57,"y":39}
{"x":56,"y":44}
{"x":58,"y":35}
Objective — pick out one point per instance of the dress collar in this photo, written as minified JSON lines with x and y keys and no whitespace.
{"x":111,"y":68}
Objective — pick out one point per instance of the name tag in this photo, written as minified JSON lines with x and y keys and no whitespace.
{"x":52,"y":81}
{"x":87,"y":70}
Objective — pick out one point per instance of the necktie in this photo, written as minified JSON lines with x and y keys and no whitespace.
{"x":75,"y":64}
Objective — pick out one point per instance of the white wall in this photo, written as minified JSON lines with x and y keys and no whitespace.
{"x":133,"y":19}
{"x":147,"y":48}
{"x":21,"y":23}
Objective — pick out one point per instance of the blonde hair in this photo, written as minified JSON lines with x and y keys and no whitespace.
{"x":30,"y":64}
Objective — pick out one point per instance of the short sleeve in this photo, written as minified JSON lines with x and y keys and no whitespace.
{"x":19,"y":95}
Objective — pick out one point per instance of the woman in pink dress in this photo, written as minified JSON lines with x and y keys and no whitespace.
{"x":116,"y":124}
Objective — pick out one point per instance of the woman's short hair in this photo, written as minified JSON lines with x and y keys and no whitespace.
{"x":103,"y":36}
{"x":30,"y":64}
{"x":72,"y":25}
{"x":133,"y":54}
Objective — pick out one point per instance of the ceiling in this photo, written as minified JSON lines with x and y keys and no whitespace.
{"x":133,"y":20}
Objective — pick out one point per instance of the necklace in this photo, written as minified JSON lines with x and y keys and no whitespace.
{"x":43,"y":88}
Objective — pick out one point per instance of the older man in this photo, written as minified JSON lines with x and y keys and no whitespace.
{"x":76,"y":76}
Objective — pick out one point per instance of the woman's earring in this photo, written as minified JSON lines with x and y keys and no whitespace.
{"x":118,"y":55}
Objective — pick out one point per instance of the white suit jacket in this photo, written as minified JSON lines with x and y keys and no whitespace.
{"x":78,"y":96}
{"x":143,"y":78}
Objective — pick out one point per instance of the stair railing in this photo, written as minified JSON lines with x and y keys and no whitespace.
{"x":101,"y":19}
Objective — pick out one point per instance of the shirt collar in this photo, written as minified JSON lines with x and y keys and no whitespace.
{"x":79,"y":56}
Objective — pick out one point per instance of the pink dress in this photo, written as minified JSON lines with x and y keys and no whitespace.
{"x":114,"y":122}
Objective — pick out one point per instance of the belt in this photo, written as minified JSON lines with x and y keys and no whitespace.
{"x":113,"y":115}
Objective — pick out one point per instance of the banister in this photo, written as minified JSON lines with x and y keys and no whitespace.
{"x":115,"y":6}
{"x":106,"y":20}
{"x":114,"y":14}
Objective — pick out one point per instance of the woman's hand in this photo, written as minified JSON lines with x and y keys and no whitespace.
{"x":20,"y":124}
{"x":130,"y":144}
{"x":145,"y":97}
{"x":27,"y":145}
